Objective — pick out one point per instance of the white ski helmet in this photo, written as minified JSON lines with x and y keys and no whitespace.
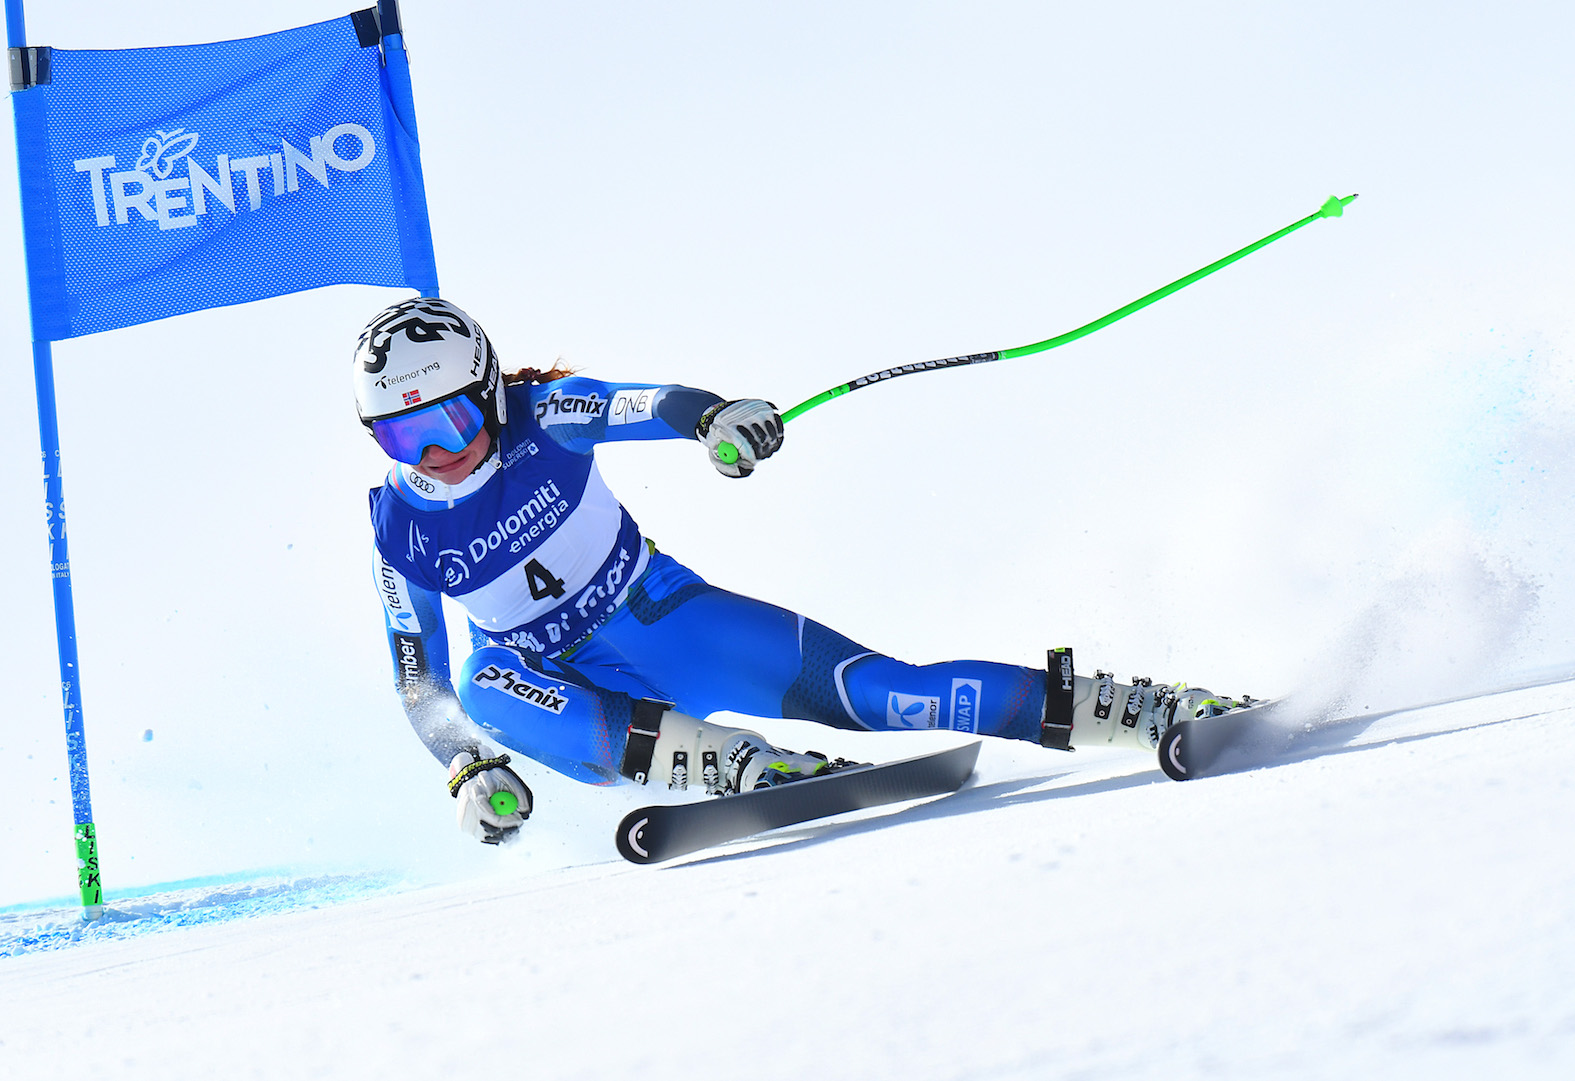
{"x":425,"y":375}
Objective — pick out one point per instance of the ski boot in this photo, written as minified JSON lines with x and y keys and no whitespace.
{"x":752,"y":763}
{"x":668,"y":746}
{"x":1099,"y":712}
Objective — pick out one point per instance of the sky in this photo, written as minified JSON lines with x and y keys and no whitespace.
{"x":1340,"y":466}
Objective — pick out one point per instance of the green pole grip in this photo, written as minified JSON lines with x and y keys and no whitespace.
{"x":504,"y":802}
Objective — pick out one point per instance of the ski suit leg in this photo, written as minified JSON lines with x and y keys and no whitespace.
{"x":705,"y":649}
{"x":532,"y":706}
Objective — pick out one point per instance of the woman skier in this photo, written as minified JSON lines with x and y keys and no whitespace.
{"x":595,"y":653}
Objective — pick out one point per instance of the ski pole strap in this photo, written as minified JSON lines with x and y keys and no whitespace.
{"x":1055,"y":729}
{"x":644,"y":728}
{"x":456,"y":782}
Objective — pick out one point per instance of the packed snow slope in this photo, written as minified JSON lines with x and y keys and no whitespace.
{"x":1400,"y":908}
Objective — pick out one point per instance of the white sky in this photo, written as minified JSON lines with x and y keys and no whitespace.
{"x":1348,"y":454}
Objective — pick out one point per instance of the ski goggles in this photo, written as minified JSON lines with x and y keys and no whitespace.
{"x":450,"y":424}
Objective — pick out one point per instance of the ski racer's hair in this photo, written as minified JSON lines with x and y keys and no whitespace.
{"x":535,"y":375}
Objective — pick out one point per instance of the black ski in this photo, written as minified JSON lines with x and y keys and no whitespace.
{"x":1275,"y":732}
{"x":1237,"y":740}
{"x":654,"y":834}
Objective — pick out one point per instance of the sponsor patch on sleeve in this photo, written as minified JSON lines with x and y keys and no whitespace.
{"x":396,"y":598}
{"x":633,"y":406}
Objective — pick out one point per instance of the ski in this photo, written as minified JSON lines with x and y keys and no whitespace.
{"x":1285,"y":730}
{"x":1236,"y":740}
{"x":663,"y":832}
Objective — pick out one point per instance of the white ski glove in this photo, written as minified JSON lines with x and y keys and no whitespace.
{"x":493,"y":801}
{"x":750,"y":427}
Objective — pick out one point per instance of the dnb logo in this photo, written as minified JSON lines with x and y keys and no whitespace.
{"x":152,"y":190}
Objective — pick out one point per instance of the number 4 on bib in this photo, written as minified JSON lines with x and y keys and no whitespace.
{"x":542,"y":583}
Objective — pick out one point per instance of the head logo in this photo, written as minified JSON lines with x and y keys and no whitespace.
{"x":163,"y":150}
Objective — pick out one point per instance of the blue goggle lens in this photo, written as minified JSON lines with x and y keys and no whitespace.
{"x":450,"y":424}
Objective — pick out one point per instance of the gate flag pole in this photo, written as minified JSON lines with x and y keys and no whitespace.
{"x":238,"y":170}
{"x":88,"y":884}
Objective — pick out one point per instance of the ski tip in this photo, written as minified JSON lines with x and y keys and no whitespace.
{"x":631,"y":837}
{"x":1334,"y":206}
{"x":1173,"y":757}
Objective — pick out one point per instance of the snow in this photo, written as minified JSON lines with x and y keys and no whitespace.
{"x":1397,"y":909}
{"x":1340,"y":469}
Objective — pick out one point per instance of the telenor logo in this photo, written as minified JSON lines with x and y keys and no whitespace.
{"x":912,"y":710}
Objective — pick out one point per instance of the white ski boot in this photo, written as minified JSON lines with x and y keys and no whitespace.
{"x":665,"y":745}
{"x":1099,"y":712}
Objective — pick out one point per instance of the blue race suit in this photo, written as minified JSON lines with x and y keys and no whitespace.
{"x":575,"y":614}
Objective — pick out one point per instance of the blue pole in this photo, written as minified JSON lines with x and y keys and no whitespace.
{"x":60,"y":571}
{"x":396,"y":72}
{"x":66,"y":632}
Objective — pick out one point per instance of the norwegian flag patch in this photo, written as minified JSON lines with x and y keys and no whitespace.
{"x":412,"y":397}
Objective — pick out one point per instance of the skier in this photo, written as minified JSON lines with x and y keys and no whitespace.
{"x":595,"y":653}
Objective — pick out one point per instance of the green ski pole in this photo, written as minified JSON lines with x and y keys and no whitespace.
{"x":1333,"y":207}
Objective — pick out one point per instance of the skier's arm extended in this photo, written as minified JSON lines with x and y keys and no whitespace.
{"x":419,"y":644}
{"x":578,"y":413}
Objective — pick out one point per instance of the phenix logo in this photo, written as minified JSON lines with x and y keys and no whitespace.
{"x":557,"y":408}
{"x":178,"y":201}
{"x":508,"y":681}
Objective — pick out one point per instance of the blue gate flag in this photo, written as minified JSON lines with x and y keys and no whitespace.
{"x":166,"y":180}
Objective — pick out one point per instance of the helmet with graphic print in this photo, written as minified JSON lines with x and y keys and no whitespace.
{"x":426,"y":375}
